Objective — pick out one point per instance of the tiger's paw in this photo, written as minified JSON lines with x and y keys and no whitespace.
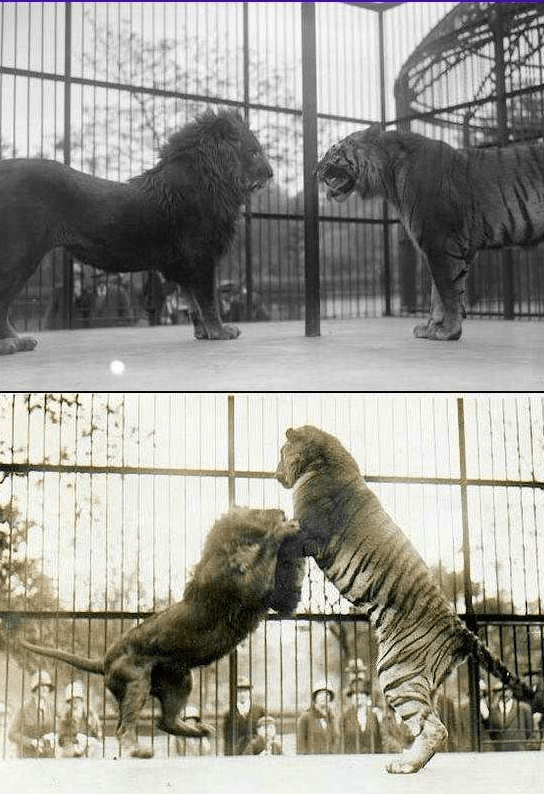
{"x":17,"y":344}
{"x":403,"y":764}
{"x":219,"y":332}
{"x":438,"y":332}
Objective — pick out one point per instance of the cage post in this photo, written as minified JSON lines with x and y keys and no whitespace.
{"x":385,"y":208}
{"x":67,"y":269}
{"x":311,"y":205}
{"x":248,"y":249}
{"x":502,"y":140}
{"x":473,"y":669}
{"x":233,"y":656}
{"x":407,"y":254}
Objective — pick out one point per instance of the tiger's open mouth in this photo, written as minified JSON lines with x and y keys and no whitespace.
{"x":340,"y":181}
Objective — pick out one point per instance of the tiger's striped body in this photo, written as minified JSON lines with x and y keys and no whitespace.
{"x":373,"y":564}
{"x":452,"y":203}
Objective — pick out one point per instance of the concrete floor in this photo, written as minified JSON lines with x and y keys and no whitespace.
{"x":350,"y":355}
{"x":447,"y":773}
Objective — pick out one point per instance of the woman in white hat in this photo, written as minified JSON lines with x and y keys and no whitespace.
{"x":80,"y":733}
{"x":32,"y":728}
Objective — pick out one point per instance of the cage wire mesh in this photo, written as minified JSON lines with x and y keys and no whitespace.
{"x":100,"y":86}
{"x":105,"y":500}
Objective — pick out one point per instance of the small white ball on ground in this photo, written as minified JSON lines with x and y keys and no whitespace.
{"x":117,"y":367}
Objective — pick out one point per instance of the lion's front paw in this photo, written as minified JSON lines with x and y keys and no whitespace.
{"x":17,"y":344}
{"x":438,"y":332}
{"x":219,"y":332}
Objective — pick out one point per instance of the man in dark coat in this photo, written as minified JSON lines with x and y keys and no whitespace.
{"x":360,"y":726}
{"x":317,"y":731}
{"x":240,"y":730}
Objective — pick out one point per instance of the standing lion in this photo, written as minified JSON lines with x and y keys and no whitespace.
{"x":179,"y":217}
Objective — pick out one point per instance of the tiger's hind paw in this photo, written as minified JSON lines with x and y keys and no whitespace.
{"x":217,"y":332}
{"x":405,"y":764}
{"x":16,"y":344}
{"x":438,"y":332}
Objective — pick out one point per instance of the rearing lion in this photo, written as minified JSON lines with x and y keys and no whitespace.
{"x":452,"y":203}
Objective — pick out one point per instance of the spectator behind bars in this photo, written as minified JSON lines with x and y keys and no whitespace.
{"x":192,"y":745}
{"x":510,"y":723}
{"x":317,"y":731}
{"x":265,"y":742}
{"x":79,"y":731}
{"x":360,"y":726}
{"x":32,"y":728}
{"x":241,"y":729}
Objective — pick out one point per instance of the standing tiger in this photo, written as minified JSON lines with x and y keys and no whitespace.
{"x":452,"y":203}
{"x":374,"y":565}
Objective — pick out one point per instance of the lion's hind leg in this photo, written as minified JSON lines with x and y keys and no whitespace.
{"x":15,"y":270}
{"x":10,"y":341}
{"x":172,"y":689}
{"x":130,"y":682}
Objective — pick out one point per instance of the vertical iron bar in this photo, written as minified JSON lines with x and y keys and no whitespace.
{"x":473,"y":670}
{"x":311,"y":206}
{"x":233,"y":656}
{"x":502,"y":140}
{"x":385,"y":208}
{"x":67,"y":269}
{"x":247,"y":215}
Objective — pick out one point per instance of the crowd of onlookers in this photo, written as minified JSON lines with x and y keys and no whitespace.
{"x":99,"y":300}
{"x":350,"y":722}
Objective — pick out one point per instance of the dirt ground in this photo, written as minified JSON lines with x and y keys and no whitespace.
{"x":359,"y":355}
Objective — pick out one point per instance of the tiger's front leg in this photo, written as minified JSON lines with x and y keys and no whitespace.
{"x":449,"y":273}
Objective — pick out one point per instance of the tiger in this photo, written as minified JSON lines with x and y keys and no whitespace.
{"x":363,"y":552}
{"x":452,"y":203}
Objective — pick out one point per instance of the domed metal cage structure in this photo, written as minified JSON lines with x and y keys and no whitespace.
{"x":479,"y":72}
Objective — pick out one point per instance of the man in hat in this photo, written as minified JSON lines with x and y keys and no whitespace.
{"x":241,"y":727}
{"x":32,"y":728}
{"x":360,"y":726}
{"x":317,"y":731}
{"x":79,"y":729}
{"x":265,"y":742}
{"x":510,"y":723}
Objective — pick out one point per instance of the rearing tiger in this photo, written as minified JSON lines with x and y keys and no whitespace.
{"x":373,"y":564}
{"x":452,"y":203}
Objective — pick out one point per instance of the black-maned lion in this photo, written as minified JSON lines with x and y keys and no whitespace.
{"x":179,"y":217}
{"x":452,"y":203}
{"x":373,"y":564}
{"x":237,"y":580}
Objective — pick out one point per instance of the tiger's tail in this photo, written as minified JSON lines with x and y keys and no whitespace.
{"x":498,"y":669}
{"x":81,"y":662}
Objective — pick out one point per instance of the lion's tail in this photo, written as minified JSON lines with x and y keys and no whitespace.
{"x":498,"y":669}
{"x":81,"y":662}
